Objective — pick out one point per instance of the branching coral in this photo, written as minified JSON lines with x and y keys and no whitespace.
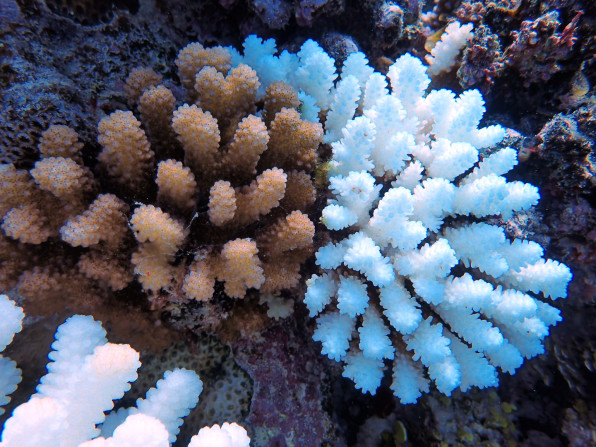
{"x":139,"y":80}
{"x":228,"y":211}
{"x":36,"y":203}
{"x":12,"y":317}
{"x":415,"y":274}
{"x":232,"y":95}
{"x":160,"y":237}
{"x":126,"y":153}
{"x":221,"y":163}
{"x":156,"y":106}
{"x":86,"y":374}
{"x":442,"y":56}
{"x":104,"y":221}
{"x":60,"y":141}
{"x":176,"y":185}
{"x":194,"y":57}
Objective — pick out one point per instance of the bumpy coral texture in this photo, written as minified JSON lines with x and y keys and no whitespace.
{"x":222,"y":203}
{"x":104,"y":221}
{"x":194,"y":57}
{"x":60,"y":141}
{"x":290,"y":235}
{"x":443,"y":56}
{"x":126,"y":153}
{"x":239,"y":267}
{"x":156,"y":106}
{"x":84,"y":377}
{"x":233,"y":94}
{"x":247,"y":168}
{"x":139,"y":80}
{"x":176,"y":184}
{"x":420,"y":280}
{"x":63,"y":177}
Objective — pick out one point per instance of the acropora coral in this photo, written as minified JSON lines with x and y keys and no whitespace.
{"x":85,"y":375}
{"x":201,"y":177}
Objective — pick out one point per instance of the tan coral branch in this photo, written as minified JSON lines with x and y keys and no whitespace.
{"x":139,"y":80}
{"x":261,"y":196}
{"x":156,"y":107}
{"x":177,"y":186}
{"x":126,"y":154}
{"x":194,"y":56}
{"x":198,"y":133}
{"x":244,"y":152}
{"x":239,"y":267}
{"x":199,"y":282}
{"x":60,"y":141}
{"x":222,"y":203}
{"x":277,"y":96}
{"x":63,"y":177}
{"x":151,"y":224}
{"x":104,"y":221}
{"x":234,"y":95}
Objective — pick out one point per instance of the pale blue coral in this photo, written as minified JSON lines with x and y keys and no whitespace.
{"x":427,"y":146}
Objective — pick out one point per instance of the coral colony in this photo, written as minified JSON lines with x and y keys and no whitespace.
{"x":406,"y":179}
{"x":416,"y":277}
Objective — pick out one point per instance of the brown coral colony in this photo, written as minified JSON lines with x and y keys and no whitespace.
{"x":231,"y":174}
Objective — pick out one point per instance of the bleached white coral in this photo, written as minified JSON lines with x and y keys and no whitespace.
{"x":391,"y":222}
{"x":374,"y":337}
{"x":343,"y":107}
{"x":408,"y":80}
{"x":366,"y":372}
{"x":228,"y":435}
{"x":442,"y":57}
{"x":355,"y":196}
{"x":405,"y":174}
{"x":311,"y":71}
{"x":320,"y":291}
{"x":12,"y":320}
{"x":352,"y":297}
{"x":10,"y":375}
{"x":365,"y":256}
{"x":353,"y":151}
{"x":408,"y":379}
{"x":137,"y":430}
{"x":84,"y":377}
{"x":172,"y":399}
{"x":334,"y":331}
{"x":401,"y":309}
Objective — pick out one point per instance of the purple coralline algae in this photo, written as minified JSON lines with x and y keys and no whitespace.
{"x":286,"y":408}
{"x":481,"y":60}
{"x":277,"y":14}
{"x":538,"y":47}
